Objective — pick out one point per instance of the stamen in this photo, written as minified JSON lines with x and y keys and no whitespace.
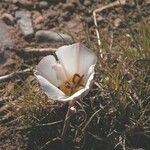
{"x":74,"y":77}
{"x":72,"y":85}
{"x":61,"y":75}
{"x":67,"y":85}
{"x":77,"y":80}
{"x":80,"y":80}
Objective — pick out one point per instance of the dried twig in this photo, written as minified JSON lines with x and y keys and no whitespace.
{"x":33,"y":51}
{"x":147,"y":1}
{"x":15,"y":74}
{"x":40,"y":125}
{"x":116,"y":3}
{"x":99,"y":85}
{"x":3,"y":99}
{"x":39,"y":50}
{"x":6,"y":117}
{"x":111,"y":41}
{"x":88,"y":122}
{"x":49,"y":142}
{"x":123,"y":143}
{"x":7,"y":106}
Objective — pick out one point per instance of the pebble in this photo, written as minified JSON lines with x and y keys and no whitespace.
{"x":5,"y":40}
{"x":89,"y":21}
{"x":117,"y":22}
{"x":47,"y":35}
{"x":87,"y":2}
{"x":8,"y":19}
{"x":66,"y":16}
{"x":43,"y":5}
{"x":131,"y":4}
{"x":69,"y":7}
{"x":52,"y":19}
{"x":52,"y":15}
{"x":25,"y":23}
{"x":24,"y":3}
{"x":5,"y":37}
{"x":38,"y":20}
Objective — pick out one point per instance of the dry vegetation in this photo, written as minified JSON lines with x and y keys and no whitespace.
{"x":113,"y":116}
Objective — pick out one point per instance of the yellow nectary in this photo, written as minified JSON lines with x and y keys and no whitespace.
{"x":72,"y":85}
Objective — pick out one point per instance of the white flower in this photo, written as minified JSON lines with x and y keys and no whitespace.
{"x":69,"y":78}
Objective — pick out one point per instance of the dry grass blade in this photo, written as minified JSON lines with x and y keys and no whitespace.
{"x":88,"y":122}
{"x":47,"y":143}
{"x":116,"y":3}
{"x":16,"y":74}
{"x":39,"y":125}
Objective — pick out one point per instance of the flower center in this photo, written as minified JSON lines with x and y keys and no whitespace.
{"x":74,"y":84}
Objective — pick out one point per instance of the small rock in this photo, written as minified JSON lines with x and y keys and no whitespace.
{"x":117,"y":22}
{"x":38,"y":20}
{"x":66,"y":16}
{"x":76,"y":26}
{"x":87,"y":2}
{"x":47,"y":35}
{"x":131,"y":4}
{"x":24,"y":3}
{"x":69,"y":7}
{"x":5,"y":37}
{"x":24,"y":21}
{"x":8,"y":19}
{"x":14,"y":1}
{"x":5,"y":40}
{"x":89,"y":21}
{"x":81,"y":1}
{"x":43,"y":5}
{"x":52,"y":19}
{"x":52,"y":14}
{"x":100,"y":20}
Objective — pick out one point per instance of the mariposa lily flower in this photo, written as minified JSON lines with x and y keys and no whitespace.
{"x":69,"y":78}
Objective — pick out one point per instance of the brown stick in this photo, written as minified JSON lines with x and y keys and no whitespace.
{"x":30,"y":50}
{"x":15,"y":74}
{"x":116,"y":3}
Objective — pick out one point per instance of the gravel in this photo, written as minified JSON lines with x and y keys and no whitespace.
{"x":43,"y":5}
{"x":47,"y":35}
{"x":5,"y":37}
{"x":25,"y":23}
{"x":8,"y":19}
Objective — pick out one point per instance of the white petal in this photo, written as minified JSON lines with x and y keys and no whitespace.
{"x":83,"y":92}
{"x":68,"y":57}
{"x":45,"y":69}
{"x":50,"y":90}
{"x":76,"y":58}
{"x":86,"y":59}
{"x":89,"y":73}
